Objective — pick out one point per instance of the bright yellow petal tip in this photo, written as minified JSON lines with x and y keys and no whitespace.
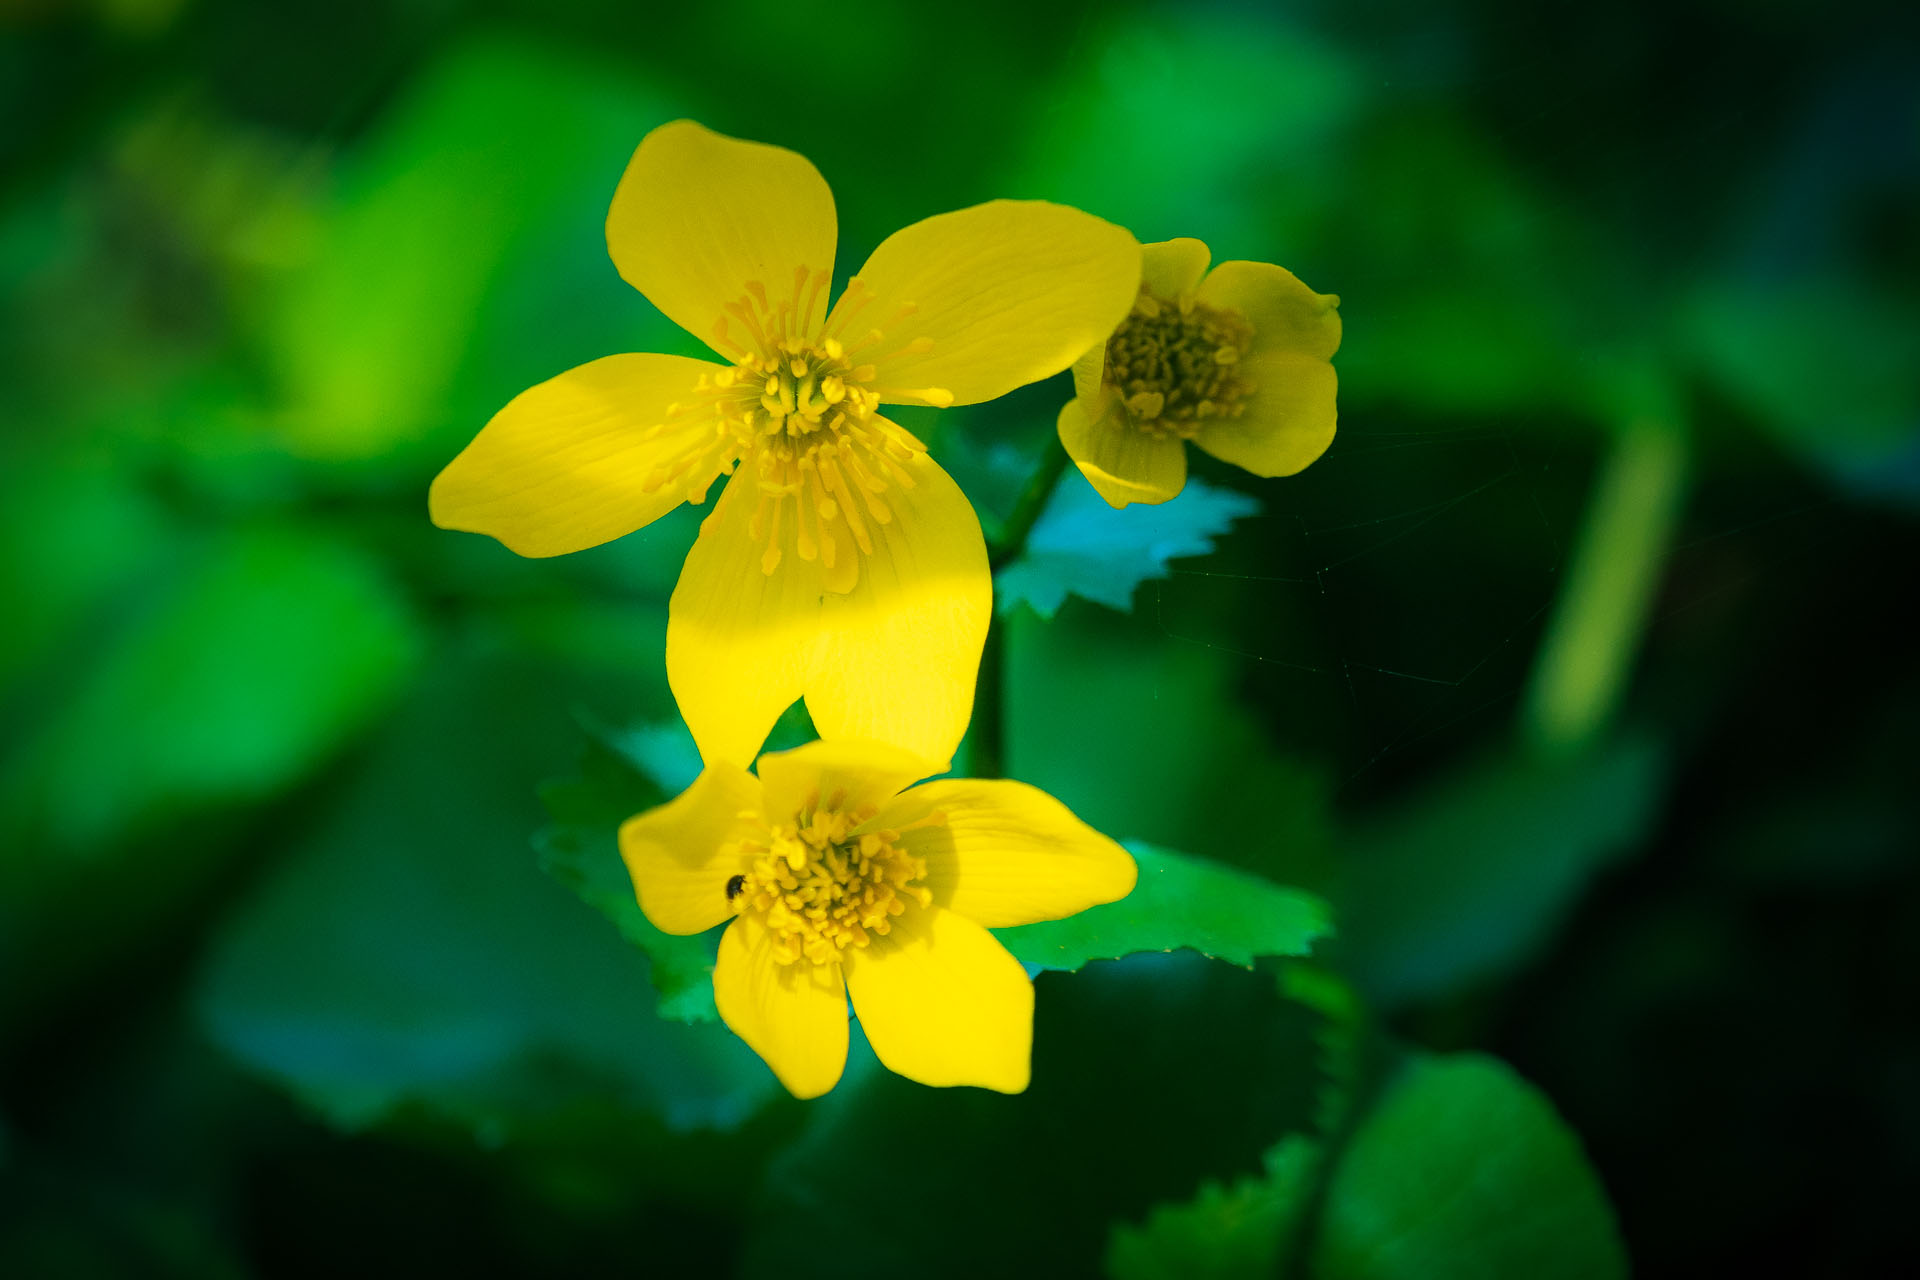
{"x":681,"y":855}
{"x":993,"y":297}
{"x":793,"y":1015}
{"x":942,"y":1002}
{"x":1123,"y":465}
{"x":583,"y":458}
{"x":699,"y":217}
{"x":1004,"y":853}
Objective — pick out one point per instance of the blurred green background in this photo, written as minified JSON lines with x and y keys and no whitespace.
{"x":1573,"y":675}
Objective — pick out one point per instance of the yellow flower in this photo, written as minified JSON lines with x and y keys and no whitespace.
{"x":839,"y":882}
{"x":843,"y":564}
{"x":1237,"y":360}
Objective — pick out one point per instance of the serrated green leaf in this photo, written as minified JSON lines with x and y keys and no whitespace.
{"x":1083,"y":547}
{"x":407,"y":952}
{"x":1114,"y":1122}
{"x":1238,"y":1232}
{"x":581,"y":850}
{"x":1464,"y":1170}
{"x":1179,"y":902}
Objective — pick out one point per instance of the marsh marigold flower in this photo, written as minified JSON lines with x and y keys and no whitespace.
{"x":839,"y":881}
{"x":840,"y":563}
{"x":1237,"y":360}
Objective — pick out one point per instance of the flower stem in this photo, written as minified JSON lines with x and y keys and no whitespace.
{"x":1026,"y":512}
{"x":987,"y":744}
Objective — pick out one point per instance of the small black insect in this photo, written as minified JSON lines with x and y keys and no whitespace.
{"x":734,"y":886}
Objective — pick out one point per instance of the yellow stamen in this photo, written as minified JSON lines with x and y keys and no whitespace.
{"x":824,"y":883}
{"x":798,"y":404}
{"x":1176,"y":363}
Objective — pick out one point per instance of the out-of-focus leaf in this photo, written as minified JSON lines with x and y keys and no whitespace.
{"x":1276,"y":101}
{"x":581,"y":850}
{"x":1467,"y":879}
{"x":269,"y":654}
{"x":1463,"y":1169}
{"x":495,"y":139}
{"x":73,"y":534}
{"x":1138,"y":732}
{"x":54,"y":1228}
{"x":1081,"y":546}
{"x":1238,"y":1232}
{"x":1179,"y":902}
{"x":1825,"y":363}
{"x":1530,"y":291}
{"x":1339,"y":1039}
{"x":410,"y":952}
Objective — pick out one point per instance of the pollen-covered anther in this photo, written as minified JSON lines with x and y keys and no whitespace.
{"x":800,"y":402}
{"x":1176,"y":363}
{"x":826,"y":882}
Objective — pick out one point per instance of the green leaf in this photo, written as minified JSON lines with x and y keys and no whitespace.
{"x":1533,"y":290}
{"x":76,"y":536}
{"x":1467,"y":879}
{"x":625,"y":772}
{"x":581,"y":850}
{"x":1825,"y":363}
{"x":1254,"y":1225}
{"x":1245,"y":1230}
{"x":1272,"y":89}
{"x":1464,"y":1169}
{"x":490,"y":143}
{"x":408,"y":952}
{"x":1116,"y":1121}
{"x":1159,"y":740}
{"x":1081,"y":546}
{"x":246,"y":673}
{"x":1179,"y":902}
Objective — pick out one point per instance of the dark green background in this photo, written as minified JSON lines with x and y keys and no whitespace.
{"x":1628,"y":390}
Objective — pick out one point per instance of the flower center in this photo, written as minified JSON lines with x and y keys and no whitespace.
{"x":800,"y":405}
{"x":1177,"y":363}
{"x":823,"y":885}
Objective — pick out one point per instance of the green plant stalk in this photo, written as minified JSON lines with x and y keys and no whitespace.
{"x":1602,"y":612}
{"x":986,"y":743}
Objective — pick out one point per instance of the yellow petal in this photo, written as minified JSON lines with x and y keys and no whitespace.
{"x":858,"y":773}
{"x":678,"y":854}
{"x":740,"y":641}
{"x":891,"y":660}
{"x":577,"y":461}
{"x":943,"y":1003}
{"x":1169,"y":268}
{"x":1285,"y":314}
{"x":1008,"y":853}
{"x":900,"y":652}
{"x":1089,"y":371}
{"x":1122,"y":462}
{"x":792,"y":1015}
{"x":698,"y":216}
{"x":1288,"y":420}
{"x":1001,"y":294}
